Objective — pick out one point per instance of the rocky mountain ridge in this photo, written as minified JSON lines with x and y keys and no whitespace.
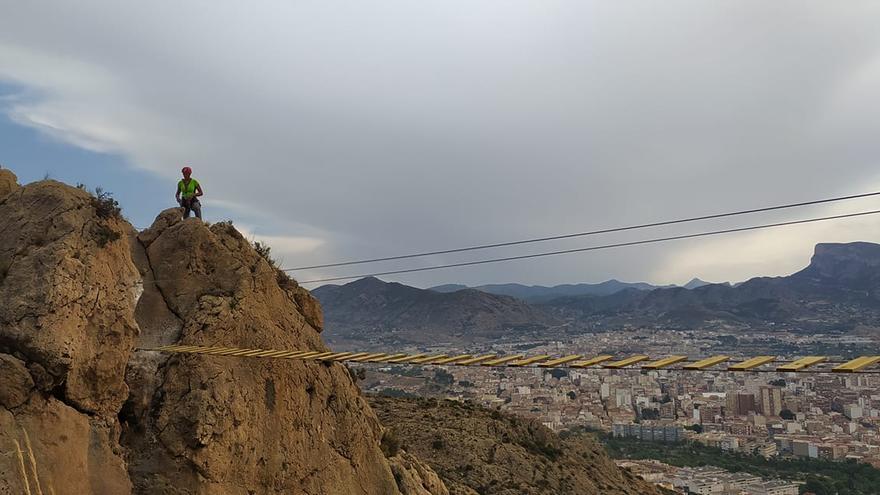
{"x":80,"y":289}
{"x":541,"y":293}
{"x":838,"y":291}
{"x":391,"y":313}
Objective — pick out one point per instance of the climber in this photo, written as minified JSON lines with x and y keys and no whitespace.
{"x":188,"y":192}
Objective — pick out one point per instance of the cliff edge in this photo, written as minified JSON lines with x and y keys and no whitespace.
{"x":80,"y":290}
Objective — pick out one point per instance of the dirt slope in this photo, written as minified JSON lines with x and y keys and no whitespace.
{"x":482,"y":451}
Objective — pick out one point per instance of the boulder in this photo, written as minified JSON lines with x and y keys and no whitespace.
{"x":8,"y":182}
{"x":68,"y":289}
{"x":17,"y":382}
{"x":415,"y":477}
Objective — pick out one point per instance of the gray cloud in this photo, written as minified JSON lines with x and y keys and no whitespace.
{"x":364,"y":128}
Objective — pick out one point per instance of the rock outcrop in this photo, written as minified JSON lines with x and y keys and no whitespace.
{"x":91,"y":410}
{"x":8,"y":182}
{"x":225,"y":425}
{"x":80,"y":290}
{"x":68,"y":290}
{"x":414,"y":477}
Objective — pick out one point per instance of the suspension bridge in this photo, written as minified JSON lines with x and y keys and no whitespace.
{"x":679,"y":363}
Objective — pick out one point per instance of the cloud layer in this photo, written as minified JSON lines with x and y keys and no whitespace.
{"x":378,"y":128}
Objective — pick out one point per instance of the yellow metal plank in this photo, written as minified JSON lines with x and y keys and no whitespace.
{"x":233,"y":351}
{"x":662,"y":363}
{"x":306,"y":355}
{"x":503,"y":360}
{"x":476,"y":360}
{"x":802,"y":363}
{"x":206,"y":350}
{"x":562,"y":360}
{"x":242,"y":352}
{"x":292,"y":354}
{"x":368,"y":357}
{"x":220,"y":351}
{"x":406,"y":358}
{"x":251,"y":353}
{"x":190,"y":348}
{"x":453,"y":359}
{"x":335,"y":355}
{"x":592,"y":361}
{"x":352,"y":356}
{"x":705,"y":363}
{"x":321,"y":355}
{"x":856,"y":364}
{"x":203,"y":349}
{"x":626,"y":362}
{"x":751,"y":363}
{"x":531,"y":360}
{"x":267,"y":353}
{"x":280,"y":353}
{"x":386,"y":358}
{"x":429,"y":359}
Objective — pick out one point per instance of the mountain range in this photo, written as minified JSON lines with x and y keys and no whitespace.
{"x":372,"y":311}
{"x":541,"y":293}
{"x":838,"y":291}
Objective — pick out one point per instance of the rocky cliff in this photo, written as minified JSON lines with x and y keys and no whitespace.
{"x":80,"y":290}
{"x":68,"y":291}
{"x":85,"y":410}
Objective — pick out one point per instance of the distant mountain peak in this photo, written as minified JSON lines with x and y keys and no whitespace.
{"x":448,"y":288}
{"x":855,"y":265}
{"x":696,"y":282}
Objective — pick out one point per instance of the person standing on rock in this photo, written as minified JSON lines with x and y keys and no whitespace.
{"x":188,"y":192}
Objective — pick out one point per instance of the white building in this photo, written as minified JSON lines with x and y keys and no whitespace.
{"x":773,"y":487}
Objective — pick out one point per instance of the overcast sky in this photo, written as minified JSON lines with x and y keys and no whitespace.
{"x":339,"y":130}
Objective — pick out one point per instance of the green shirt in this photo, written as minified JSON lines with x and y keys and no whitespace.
{"x":187,"y":190}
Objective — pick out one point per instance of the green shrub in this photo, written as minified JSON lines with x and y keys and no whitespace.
{"x":281,"y":277}
{"x":104,"y":204}
{"x":390,"y":443}
{"x":105,"y":235}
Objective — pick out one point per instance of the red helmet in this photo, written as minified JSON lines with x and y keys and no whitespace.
{"x":187,"y":171}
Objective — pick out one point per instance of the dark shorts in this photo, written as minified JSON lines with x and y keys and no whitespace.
{"x":191,"y":205}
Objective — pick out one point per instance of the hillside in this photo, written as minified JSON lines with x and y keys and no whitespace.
{"x":372,"y":311}
{"x":482,"y":451}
